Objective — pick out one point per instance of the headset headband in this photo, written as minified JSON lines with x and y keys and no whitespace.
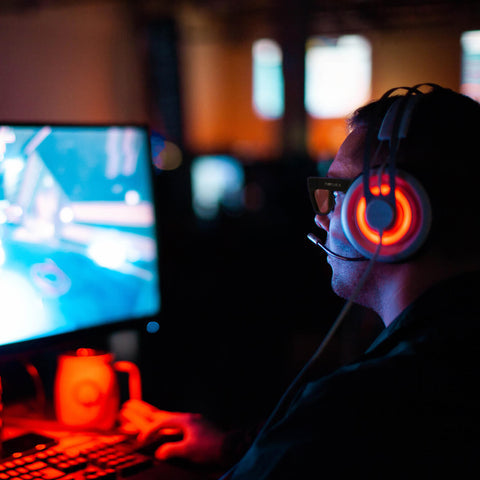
{"x":394,"y":127}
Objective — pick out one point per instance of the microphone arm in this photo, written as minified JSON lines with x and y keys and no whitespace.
{"x":319,"y":243}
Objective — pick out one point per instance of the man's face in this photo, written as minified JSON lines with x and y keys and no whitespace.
{"x":348,"y":163}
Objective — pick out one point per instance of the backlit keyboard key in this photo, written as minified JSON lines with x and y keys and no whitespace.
{"x":50,"y":473}
{"x":36,"y":465}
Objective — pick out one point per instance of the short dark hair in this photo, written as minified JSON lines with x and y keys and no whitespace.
{"x":442,"y":150}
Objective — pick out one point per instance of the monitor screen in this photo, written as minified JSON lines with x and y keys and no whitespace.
{"x":78,"y":245}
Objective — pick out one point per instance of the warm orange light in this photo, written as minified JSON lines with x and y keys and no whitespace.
{"x":402,"y":223}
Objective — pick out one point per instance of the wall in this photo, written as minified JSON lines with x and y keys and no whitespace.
{"x":217,"y":86}
{"x":410,"y":56}
{"x":216,"y":75}
{"x":77,"y":63}
{"x":84,"y":63}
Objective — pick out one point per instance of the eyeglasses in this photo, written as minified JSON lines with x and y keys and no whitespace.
{"x":321,"y":191}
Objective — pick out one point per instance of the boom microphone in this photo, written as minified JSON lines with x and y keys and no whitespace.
{"x":319,"y":243}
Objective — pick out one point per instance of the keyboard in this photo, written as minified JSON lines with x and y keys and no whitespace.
{"x":80,"y":458}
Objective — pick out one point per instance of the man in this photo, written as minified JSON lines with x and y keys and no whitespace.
{"x":408,"y":407}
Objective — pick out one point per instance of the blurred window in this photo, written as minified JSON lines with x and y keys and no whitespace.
{"x":337,"y":75}
{"x":470,"y":73}
{"x":268,"y":89}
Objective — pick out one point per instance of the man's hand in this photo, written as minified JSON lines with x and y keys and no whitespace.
{"x":201,"y":442}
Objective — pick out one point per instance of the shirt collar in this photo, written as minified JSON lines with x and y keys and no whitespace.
{"x":445,"y":299}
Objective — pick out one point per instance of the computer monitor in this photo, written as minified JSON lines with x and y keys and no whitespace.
{"x":78,"y":231}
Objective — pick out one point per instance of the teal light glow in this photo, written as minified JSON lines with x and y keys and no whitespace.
{"x":268,"y":88}
{"x":217,"y":181}
{"x":470,"y":73}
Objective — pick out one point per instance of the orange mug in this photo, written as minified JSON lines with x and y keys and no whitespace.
{"x":86,"y":391}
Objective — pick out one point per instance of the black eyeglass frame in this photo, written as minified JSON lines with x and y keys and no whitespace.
{"x":329,"y":184}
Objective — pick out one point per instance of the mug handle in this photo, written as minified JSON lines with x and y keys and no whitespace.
{"x":134,"y":378}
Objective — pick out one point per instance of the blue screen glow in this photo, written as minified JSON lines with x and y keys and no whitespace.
{"x":78,"y":243}
{"x":217,"y":181}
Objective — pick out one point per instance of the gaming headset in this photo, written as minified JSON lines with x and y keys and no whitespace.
{"x":385,"y":204}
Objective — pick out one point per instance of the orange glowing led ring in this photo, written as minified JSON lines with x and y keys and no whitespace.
{"x":402,"y":223}
{"x":411,"y":225}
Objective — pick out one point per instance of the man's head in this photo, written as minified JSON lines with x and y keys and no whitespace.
{"x":441,"y":151}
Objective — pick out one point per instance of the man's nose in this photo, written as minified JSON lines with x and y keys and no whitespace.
{"x":323,"y":221}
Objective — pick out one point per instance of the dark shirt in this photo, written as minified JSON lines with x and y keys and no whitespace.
{"x":408,"y":408}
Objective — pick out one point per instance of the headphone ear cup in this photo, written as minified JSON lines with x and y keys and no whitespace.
{"x":405,"y":228}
